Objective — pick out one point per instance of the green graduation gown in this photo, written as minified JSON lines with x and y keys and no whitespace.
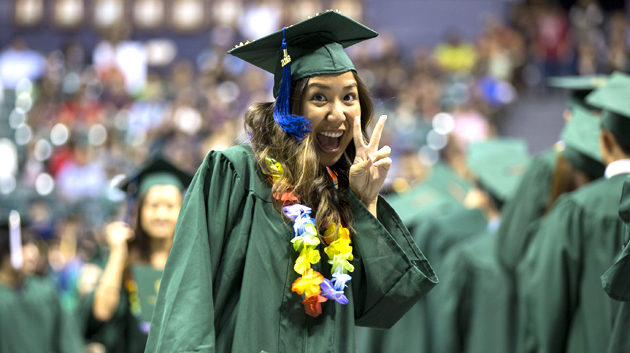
{"x":121,"y":334}
{"x":561,"y":304}
{"x":527,"y":206}
{"x":227,"y":283}
{"x":32,"y":320}
{"x":418,"y":331}
{"x":475,"y":314}
{"x":616,"y":282}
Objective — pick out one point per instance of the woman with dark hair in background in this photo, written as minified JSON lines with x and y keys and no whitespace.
{"x":114,"y":314}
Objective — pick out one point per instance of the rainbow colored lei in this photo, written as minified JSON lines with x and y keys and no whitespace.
{"x":312,"y":284}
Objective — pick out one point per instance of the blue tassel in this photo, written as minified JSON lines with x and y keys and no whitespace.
{"x":297,"y":126}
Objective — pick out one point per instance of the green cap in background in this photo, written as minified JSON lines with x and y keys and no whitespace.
{"x":581,"y":142}
{"x":316,"y":47}
{"x":614,"y":99}
{"x":156,"y":171}
{"x":580,"y":87}
{"x":499,"y":165}
{"x":441,"y":192}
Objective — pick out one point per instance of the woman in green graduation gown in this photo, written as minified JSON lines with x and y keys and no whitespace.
{"x":561,"y":306}
{"x":112,"y":313}
{"x":31,"y":316}
{"x":284,"y":245}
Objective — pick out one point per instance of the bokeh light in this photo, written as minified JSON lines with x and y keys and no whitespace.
{"x":42,"y":150}
{"x":59,"y":134}
{"x":435,"y":140}
{"x":428,"y":156}
{"x":23,"y":134}
{"x":7,"y":184}
{"x":443,"y":123}
{"x":24,"y":101}
{"x":44,"y":184}
{"x":8,"y":158}
{"x":97,"y":135}
{"x":17,"y":118}
{"x":24,"y":85}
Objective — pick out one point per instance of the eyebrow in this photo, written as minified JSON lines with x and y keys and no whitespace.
{"x":321,"y":86}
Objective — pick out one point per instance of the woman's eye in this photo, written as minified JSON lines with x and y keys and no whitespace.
{"x":350,"y":97}
{"x":319,"y":97}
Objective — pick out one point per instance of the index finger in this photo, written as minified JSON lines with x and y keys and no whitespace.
{"x":357,"y":135}
{"x":378,"y":130}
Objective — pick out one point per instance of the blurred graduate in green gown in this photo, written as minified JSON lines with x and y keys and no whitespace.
{"x":616,"y":282}
{"x":31,"y":316}
{"x":116,"y":313}
{"x":551,"y":173}
{"x":561,"y":305}
{"x":284,"y":244}
{"x":474,"y":313}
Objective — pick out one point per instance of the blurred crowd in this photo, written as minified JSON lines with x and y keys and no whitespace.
{"x":73,"y":123}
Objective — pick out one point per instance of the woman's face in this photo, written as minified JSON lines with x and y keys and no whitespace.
{"x":330,"y":103}
{"x":160,"y":210}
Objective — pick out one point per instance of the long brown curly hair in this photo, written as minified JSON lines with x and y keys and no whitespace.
{"x":302,"y":171}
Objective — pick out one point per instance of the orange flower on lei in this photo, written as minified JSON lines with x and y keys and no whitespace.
{"x":308,"y":283}
{"x":313,"y":305}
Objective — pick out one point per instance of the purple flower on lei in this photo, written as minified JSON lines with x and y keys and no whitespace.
{"x":329,"y":292}
{"x":296,"y":210}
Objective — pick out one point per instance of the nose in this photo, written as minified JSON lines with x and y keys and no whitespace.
{"x":161,"y":213}
{"x":337,"y":112}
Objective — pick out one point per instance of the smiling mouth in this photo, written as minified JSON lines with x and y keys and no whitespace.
{"x":330,"y":141}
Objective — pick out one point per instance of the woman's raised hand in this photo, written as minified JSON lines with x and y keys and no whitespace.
{"x":118,"y":233}
{"x":370,"y":166}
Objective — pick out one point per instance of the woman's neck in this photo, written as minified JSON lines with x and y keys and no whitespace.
{"x":160,"y":249}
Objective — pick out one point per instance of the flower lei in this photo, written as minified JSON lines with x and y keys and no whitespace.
{"x":312,"y":284}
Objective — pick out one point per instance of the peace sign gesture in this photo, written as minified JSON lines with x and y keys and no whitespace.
{"x":370,"y":166}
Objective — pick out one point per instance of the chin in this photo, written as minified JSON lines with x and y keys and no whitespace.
{"x":161,"y":234}
{"x":328,"y":160}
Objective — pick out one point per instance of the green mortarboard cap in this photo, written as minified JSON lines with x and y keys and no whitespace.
{"x":581,"y":139}
{"x":580,"y":86}
{"x":157,"y":171}
{"x":614,"y":99}
{"x":316,"y":47}
{"x":499,"y":164}
{"x":442,"y":191}
{"x":578,"y":83}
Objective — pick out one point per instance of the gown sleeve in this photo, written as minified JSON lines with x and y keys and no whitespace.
{"x":548,"y":281}
{"x":391,"y":273}
{"x":183,"y":317}
{"x":616,"y":281}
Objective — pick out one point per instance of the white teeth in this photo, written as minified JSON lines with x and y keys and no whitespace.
{"x":332,"y":134}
